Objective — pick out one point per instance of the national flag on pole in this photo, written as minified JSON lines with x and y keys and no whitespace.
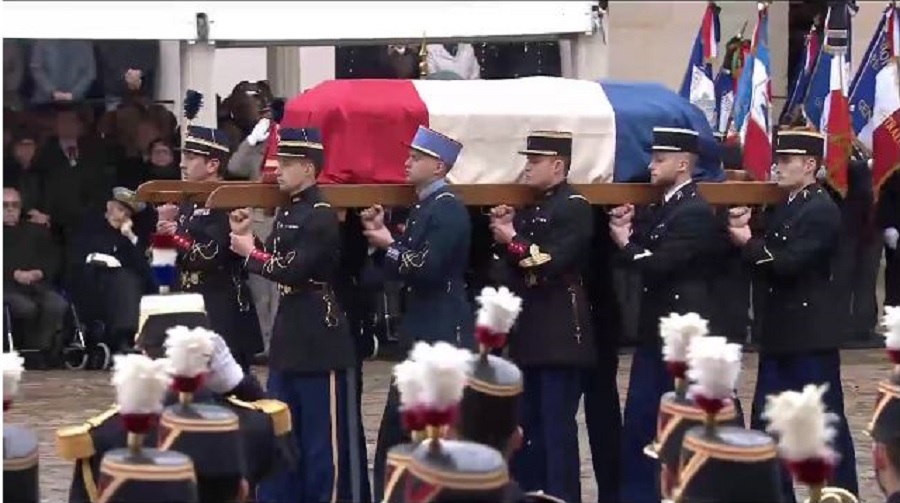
{"x":697,"y":85}
{"x":820,"y":80}
{"x":835,"y":121}
{"x":726,"y":81}
{"x":875,"y":98}
{"x":753,"y":102}
{"x":802,"y":75}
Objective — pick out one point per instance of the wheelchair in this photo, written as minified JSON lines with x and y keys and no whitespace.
{"x":74,"y":353}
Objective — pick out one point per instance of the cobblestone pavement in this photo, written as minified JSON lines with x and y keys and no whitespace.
{"x":57,"y":398}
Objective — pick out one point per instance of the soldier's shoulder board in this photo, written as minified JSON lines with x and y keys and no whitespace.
{"x":541,"y":496}
{"x":75,"y":442}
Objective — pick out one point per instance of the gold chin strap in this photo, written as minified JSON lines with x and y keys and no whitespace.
{"x":835,"y":495}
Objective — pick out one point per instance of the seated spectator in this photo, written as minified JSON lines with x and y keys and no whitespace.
{"x":22,"y":174}
{"x":63,"y":70}
{"x":30,"y":262}
{"x":110,"y":269}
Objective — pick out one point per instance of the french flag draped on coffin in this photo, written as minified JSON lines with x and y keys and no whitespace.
{"x":366,"y":125}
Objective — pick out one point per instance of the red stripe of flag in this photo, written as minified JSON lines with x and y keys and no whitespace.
{"x":365,"y":126}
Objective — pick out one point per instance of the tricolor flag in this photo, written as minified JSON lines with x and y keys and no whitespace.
{"x":367,"y":124}
{"x":835,"y":121}
{"x":753,"y":102}
{"x":697,"y":86}
{"x":163,"y":257}
{"x":726,"y":81}
{"x":820,"y":81}
{"x":802,"y":76}
{"x":875,"y":98}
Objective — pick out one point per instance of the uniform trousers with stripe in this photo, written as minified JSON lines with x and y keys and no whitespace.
{"x":321,"y":419}
{"x":549,"y":459}
{"x":778,"y":373}
{"x":648,"y":382}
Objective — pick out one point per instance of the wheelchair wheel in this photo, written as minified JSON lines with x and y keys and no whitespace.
{"x":75,"y":357}
{"x":100,"y":357}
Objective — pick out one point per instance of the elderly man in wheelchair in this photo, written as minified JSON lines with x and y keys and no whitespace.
{"x":31,"y":260}
{"x":110,"y":273}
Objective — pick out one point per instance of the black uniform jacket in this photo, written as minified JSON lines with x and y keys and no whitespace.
{"x":430,"y":257}
{"x":264,"y":453}
{"x":544,"y":265}
{"x":207,"y":265}
{"x":675,"y":246}
{"x":311,"y":332}
{"x":794,"y":291}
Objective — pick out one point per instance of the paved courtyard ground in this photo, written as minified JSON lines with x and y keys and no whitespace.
{"x":57,"y":398}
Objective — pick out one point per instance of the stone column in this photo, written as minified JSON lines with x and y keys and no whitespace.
{"x":283,"y":70}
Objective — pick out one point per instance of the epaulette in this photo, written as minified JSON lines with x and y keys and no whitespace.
{"x":75,"y":442}
{"x":277,"y":411}
{"x":541,"y":496}
{"x":322,"y":205}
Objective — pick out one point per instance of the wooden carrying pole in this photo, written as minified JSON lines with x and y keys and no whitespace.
{"x":177,"y":191}
{"x":361,"y":196}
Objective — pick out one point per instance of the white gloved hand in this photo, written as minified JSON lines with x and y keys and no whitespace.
{"x":891,"y":235}
{"x":107,"y":260}
{"x":224,"y":372}
{"x":260,"y":133}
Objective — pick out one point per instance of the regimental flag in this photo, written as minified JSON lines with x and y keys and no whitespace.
{"x":820,"y":81}
{"x":875,"y":98}
{"x":802,"y":74}
{"x":726,"y":81}
{"x":697,"y":85}
{"x":753,"y":102}
{"x":835,"y":120}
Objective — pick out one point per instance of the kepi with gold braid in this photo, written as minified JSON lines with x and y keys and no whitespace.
{"x":303,"y":143}
{"x":672,"y":139}
{"x":449,"y":470}
{"x":551,"y":143}
{"x":799,"y":141}
{"x":713,"y":365}
{"x":209,"y":434}
{"x":129,"y":475}
{"x":804,"y":429}
{"x":20,"y":444}
{"x":488,"y":413}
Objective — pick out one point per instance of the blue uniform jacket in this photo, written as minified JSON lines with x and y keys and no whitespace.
{"x":431,"y":257}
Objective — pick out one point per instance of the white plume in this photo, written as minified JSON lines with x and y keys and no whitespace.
{"x":677,"y":330}
{"x":141,"y":383}
{"x":224,"y":372}
{"x":13,"y":366}
{"x":420,"y":352}
{"x":803,"y":426}
{"x":499,"y":309}
{"x":190,"y":350}
{"x":445,"y":372}
{"x":891,"y":322}
{"x":409,"y":378}
{"x":714,"y":365}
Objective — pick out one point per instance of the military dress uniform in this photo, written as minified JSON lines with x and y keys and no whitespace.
{"x":553,"y":340}
{"x":206,"y":265}
{"x":430,"y":258}
{"x":794,"y":303}
{"x":674,"y":247}
{"x":312,"y":352}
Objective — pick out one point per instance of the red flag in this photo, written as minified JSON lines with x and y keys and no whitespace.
{"x":836,"y":125}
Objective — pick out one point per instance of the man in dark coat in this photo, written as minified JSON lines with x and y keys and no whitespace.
{"x":31,"y":261}
{"x":796,"y":323}
{"x":673,"y":245}
{"x":888,"y":210}
{"x":545,"y":249}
